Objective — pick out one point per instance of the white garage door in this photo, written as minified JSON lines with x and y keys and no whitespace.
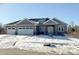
{"x":10,"y":31}
{"x":25,"y":31}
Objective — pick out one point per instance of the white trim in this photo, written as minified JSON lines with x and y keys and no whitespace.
{"x":20,"y":21}
{"x":28,"y":21}
{"x":10,"y":25}
{"x":61,"y":27}
{"x":50,"y":20}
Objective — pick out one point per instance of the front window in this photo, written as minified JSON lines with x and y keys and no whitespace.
{"x":62,"y":28}
{"x":59,"y":28}
{"x":13,"y":28}
{"x":20,"y":28}
{"x":9,"y":28}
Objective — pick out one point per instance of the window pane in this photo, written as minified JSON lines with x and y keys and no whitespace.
{"x":9,"y":28}
{"x":59,"y":28}
{"x":13,"y":28}
{"x":62,"y":29}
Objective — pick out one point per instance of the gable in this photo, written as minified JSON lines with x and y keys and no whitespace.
{"x":50,"y":22}
{"x":25,"y":22}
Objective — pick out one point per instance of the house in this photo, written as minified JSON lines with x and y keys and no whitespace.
{"x":36,"y":26}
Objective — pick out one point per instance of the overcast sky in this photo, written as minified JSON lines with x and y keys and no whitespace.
{"x":65,"y":12}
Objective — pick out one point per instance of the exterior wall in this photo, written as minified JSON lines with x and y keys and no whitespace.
{"x":44,"y":29}
{"x":56,"y":29}
{"x":61,"y":26}
{"x":50,"y":22}
{"x":41,"y":29}
{"x":65,"y":28}
{"x":24,"y":22}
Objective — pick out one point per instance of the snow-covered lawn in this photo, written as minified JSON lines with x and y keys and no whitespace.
{"x":37,"y":43}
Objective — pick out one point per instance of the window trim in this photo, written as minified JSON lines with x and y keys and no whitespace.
{"x":9,"y":28}
{"x":13,"y":28}
{"x":60,"y":28}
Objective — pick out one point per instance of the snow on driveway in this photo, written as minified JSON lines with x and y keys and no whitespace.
{"x":37,"y":42}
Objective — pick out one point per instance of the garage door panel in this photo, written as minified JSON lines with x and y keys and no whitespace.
{"x":25,"y":31}
{"x":10,"y":31}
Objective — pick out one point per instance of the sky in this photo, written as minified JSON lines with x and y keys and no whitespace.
{"x":10,"y":12}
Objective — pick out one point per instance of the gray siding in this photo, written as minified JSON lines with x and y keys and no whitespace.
{"x":61,"y":26}
{"x":56,"y":29}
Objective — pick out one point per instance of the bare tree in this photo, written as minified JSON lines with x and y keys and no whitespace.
{"x":0,"y":28}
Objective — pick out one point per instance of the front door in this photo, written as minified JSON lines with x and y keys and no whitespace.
{"x":50,"y":29}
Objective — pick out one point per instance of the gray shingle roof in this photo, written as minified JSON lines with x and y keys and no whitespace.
{"x":40,"y":20}
{"x":57,"y":20}
{"x":27,"y":21}
{"x":35,"y":21}
{"x":12,"y":23}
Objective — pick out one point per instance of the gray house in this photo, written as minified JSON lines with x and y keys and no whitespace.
{"x":36,"y":26}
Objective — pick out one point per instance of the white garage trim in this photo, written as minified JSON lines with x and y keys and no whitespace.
{"x":11,"y":30}
{"x":25,"y":31}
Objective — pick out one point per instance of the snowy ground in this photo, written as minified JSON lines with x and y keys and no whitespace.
{"x":64,"y":45}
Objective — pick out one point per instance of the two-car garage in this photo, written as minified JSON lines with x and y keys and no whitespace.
{"x":21,"y":27}
{"x":20,"y":31}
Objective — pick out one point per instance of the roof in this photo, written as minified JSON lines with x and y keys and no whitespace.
{"x":36,"y":21}
{"x":26,"y":21}
{"x":51,"y":21}
{"x":40,"y":20}
{"x":12,"y":23}
{"x":57,"y":20}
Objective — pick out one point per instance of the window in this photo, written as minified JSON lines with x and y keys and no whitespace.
{"x":13,"y":28}
{"x":20,"y":28}
{"x":62,"y":28}
{"x":59,"y":28}
{"x":9,"y":28}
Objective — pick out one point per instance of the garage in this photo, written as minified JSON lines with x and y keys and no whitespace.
{"x":25,"y":31}
{"x":11,"y":31}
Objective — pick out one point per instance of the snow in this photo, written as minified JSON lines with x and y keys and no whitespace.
{"x":37,"y":42}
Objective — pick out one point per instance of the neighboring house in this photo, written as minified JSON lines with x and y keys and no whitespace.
{"x":36,"y":26}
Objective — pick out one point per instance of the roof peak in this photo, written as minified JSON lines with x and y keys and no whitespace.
{"x":39,"y":20}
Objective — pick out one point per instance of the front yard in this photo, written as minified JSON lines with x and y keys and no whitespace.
{"x":59,"y":44}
